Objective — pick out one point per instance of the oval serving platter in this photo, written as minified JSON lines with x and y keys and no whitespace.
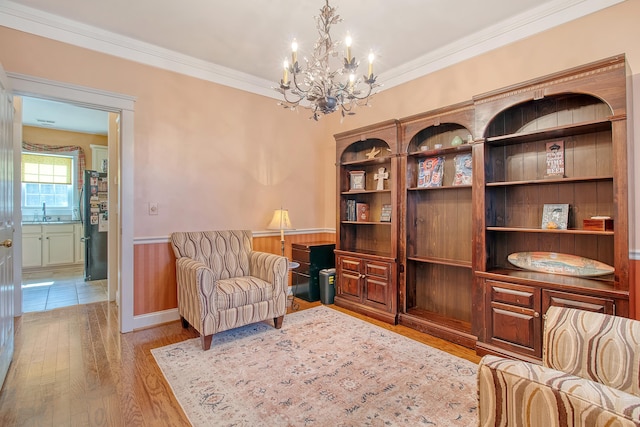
{"x":556,"y":263}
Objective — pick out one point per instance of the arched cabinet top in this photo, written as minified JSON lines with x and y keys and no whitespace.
{"x":550,"y":112}
{"x":438,"y":127}
{"x":352,"y":146}
{"x":603,"y":80}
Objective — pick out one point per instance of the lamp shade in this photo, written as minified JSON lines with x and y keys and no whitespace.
{"x":280,"y":220}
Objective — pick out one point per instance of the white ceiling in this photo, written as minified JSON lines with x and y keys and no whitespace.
{"x":242,"y":43}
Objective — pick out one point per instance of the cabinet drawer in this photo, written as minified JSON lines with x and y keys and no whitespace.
{"x":58,"y":228}
{"x":581,"y":302}
{"x":349,"y":264}
{"x":377,"y":269}
{"x":520,"y":295}
{"x":31,"y":229}
{"x":304,"y":267}
{"x":299,"y":255}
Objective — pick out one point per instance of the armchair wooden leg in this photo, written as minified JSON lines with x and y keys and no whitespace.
{"x":185,"y":324}
{"x":206,"y":341}
{"x":277,"y":322}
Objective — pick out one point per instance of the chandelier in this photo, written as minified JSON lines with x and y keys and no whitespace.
{"x":318,"y":87}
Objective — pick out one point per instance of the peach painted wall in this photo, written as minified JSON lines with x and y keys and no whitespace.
{"x":216,"y":157}
{"x":209,"y":155}
{"x":36,"y":135}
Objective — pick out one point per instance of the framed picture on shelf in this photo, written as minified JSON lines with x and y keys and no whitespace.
{"x":555,"y":216}
{"x":555,"y":159}
{"x":385,"y":213}
{"x":356,"y":180}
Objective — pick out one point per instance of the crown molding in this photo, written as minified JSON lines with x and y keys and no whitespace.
{"x":544,"y":17}
{"x":535,"y":21}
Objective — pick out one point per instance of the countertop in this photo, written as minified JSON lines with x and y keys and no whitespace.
{"x":52,"y":222}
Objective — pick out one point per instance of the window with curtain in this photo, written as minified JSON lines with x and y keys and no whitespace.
{"x":47,"y":178}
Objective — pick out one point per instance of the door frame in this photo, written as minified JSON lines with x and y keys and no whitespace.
{"x":24,"y":85}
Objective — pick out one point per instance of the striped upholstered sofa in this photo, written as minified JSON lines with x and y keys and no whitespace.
{"x":590,"y":376}
{"x":223,"y":283}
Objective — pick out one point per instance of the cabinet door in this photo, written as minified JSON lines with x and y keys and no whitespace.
{"x":582,"y":302}
{"x":31,"y":250}
{"x":59,"y":248}
{"x":377,"y":284}
{"x":79,"y":243}
{"x":349,"y":278}
{"x":513,"y":319}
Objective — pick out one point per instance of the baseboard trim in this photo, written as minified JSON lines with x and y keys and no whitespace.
{"x":154,"y":319}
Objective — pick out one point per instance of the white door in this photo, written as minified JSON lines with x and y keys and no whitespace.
{"x":6,"y":226}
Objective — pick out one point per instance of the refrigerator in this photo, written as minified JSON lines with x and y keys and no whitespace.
{"x":95,"y":219}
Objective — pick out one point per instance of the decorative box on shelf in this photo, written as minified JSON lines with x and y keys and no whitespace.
{"x":598,"y":224}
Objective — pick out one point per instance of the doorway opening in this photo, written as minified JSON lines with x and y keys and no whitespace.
{"x":64,"y":163}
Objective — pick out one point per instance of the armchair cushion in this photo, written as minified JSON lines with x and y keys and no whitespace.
{"x":239,"y":291}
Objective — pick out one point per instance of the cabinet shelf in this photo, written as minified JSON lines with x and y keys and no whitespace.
{"x":442,"y":261}
{"x":602,"y":285}
{"x":448,"y":150}
{"x":553,"y":132}
{"x":366,"y":222}
{"x":440,"y":320}
{"x":542,"y":230}
{"x":444,"y":187}
{"x":374,"y":161}
{"x":353,"y":192}
{"x":550,"y":181}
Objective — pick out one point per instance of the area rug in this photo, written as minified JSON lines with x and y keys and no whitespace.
{"x":323,"y":368}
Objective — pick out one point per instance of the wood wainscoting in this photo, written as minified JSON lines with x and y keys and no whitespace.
{"x":154,"y":277}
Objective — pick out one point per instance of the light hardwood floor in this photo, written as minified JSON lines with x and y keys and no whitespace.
{"x":72,"y":367}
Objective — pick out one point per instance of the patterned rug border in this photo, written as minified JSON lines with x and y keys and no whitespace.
{"x":450,"y":398}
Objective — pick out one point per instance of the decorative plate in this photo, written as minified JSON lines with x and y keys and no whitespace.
{"x":552,"y":262}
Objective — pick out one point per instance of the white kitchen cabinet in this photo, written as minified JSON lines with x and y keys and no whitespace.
{"x":99,"y":153}
{"x":79,"y":243}
{"x":59,"y":244}
{"x":49,"y":245}
{"x":32,"y":246}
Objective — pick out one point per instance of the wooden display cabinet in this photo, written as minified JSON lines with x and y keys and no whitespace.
{"x":584,"y":109}
{"x":436,"y":251}
{"x":366,"y":249}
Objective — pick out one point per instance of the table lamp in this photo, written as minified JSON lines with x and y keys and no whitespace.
{"x":280,"y":221}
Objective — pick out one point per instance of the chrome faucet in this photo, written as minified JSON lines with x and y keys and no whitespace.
{"x":45,"y":218}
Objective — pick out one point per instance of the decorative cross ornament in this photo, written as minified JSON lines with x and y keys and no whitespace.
{"x":381,"y":176}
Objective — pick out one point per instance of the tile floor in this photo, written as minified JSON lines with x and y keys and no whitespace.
{"x":48,"y":290}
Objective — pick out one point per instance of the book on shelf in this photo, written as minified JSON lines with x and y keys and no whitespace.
{"x":430,"y":172}
{"x":385,"y":213}
{"x":363,"y":212}
{"x":463,"y":165}
{"x":351,"y":210}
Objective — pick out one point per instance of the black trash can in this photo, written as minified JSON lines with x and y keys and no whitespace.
{"x":327,"y":285}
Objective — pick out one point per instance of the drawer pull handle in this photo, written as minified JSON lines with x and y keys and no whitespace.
{"x":536,"y":314}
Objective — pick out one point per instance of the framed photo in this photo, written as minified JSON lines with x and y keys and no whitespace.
{"x":555,"y":159}
{"x":555,"y":217}
{"x":356,"y":180}
{"x":385,"y":214}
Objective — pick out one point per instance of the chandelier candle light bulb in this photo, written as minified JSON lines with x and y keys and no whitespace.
{"x":371,"y":58}
{"x":294,"y":52}
{"x":285,"y":75}
{"x":348,"y":42}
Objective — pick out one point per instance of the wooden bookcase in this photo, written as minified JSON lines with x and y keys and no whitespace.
{"x":584,"y":109}
{"x":436,"y":289}
{"x":366,"y":250}
{"x":441,"y":264}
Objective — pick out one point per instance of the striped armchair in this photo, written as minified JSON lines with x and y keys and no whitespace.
{"x":223,"y":283}
{"x":590,"y":376}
